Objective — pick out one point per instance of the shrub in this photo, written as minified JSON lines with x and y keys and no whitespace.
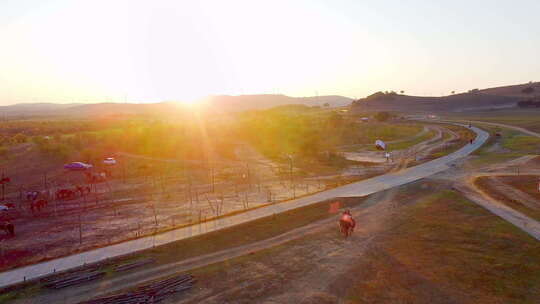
{"x":19,"y":138}
{"x":382,"y":116}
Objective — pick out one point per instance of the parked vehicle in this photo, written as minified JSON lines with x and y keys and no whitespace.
{"x":77,"y":166}
{"x":109,"y":161}
{"x":6,"y":206}
{"x":380,"y":145}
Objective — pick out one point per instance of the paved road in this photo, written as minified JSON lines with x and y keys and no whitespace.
{"x":360,"y":188}
{"x":528,"y":132}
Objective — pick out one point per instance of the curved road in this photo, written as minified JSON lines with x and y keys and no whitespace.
{"x":520,"y":129}
{"x":361,"y":188}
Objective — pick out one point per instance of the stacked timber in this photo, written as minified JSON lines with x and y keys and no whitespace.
{"x":150,"y":293}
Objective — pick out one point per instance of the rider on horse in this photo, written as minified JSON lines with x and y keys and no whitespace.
{"x":347,"y":223}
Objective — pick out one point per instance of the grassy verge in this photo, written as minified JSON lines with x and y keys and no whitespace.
{"x":483,"y":183}
{"x":386,"y":131}
{"x":409,"y":143}
{"x":447,"y":249}
{"x":510,"y":140}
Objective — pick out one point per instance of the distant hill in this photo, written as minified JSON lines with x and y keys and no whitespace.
{"x":474,"y":100}
{"x":213,"y":104}
{"x":518,"y":90}
{"x":258,"y":102}
{"x":35,"y":108}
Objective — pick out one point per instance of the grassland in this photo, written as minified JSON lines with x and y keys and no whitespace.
{"x":525,"y":118}
{"x":449,"y":242}
{"x":510,"y":144}
{"x":369,"y":132}
{"x":409,"y":143}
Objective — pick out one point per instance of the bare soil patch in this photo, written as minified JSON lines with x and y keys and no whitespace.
{"x":425,"y":248}
{"x":489,"y":186}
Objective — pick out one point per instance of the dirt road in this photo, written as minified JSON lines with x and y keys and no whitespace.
{"x":520,"y":220}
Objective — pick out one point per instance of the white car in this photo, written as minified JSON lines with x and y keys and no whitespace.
{"x":6,"y":206}
{"x":109,"y":161}
{"x":379,"y":144}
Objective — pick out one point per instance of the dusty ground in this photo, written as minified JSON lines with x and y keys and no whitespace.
{"x":133,"y":204}
{"x":410,"y":247}
{"x":404,"y":251}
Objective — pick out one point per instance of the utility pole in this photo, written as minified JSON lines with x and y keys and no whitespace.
{"x":3,"y":185}
{"x":80,"y":228}
{"x":155,"y":216}
{"x":291,"y":174}
{"x":248,"y":175}
{"x":212,"y":177}
{"x":124,"y":172}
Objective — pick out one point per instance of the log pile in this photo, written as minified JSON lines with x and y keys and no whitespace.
{"x":150,"y":293}
{"x":74,"y":279}
{"x":88,"y":273}
{"x":133,"y":265}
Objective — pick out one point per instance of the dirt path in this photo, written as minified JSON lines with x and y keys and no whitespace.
{"x":424,"y":130}
{"x":514,"y":193}
{"x":378,"y":157}
{"x":520,"y":220}
{"x":466,"y":186}
{"x":453,"y":136}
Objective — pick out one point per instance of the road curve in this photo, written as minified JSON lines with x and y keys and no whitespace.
{"x":520,"y":129}
{"x":361,"y":188}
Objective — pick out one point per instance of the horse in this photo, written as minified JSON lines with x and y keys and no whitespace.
{"x":346,"y":223}
{"x":8,"y":227}
{"x":37,"y":205}
{"x":83,"y":190}
{"x":65,"y":194}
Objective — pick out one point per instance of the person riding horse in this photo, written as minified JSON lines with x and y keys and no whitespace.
{"x":346,"y":223}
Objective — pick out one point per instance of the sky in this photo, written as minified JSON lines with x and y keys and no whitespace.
{"x":149,"y":51}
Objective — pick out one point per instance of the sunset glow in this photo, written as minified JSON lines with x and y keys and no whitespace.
{"x":89,"y":51}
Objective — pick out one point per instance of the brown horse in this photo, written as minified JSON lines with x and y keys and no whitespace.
{"x":37,"y":205}
{"x":8,"y":227}
{"x":65,"y":194}
{"x":346,"y":223}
